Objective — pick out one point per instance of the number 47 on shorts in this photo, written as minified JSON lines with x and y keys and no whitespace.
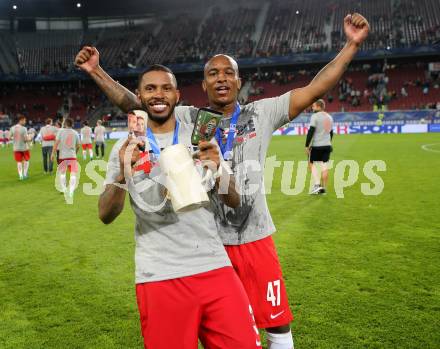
{"x":273,"y":297}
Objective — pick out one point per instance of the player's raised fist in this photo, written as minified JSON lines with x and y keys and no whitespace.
{"x":356,"y":28}
{"x":87,"y":59}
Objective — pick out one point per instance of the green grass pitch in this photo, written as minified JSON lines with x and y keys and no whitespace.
{"x":361,"y":272}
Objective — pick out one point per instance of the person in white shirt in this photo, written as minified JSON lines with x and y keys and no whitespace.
{"x":67,"y":142}
{"x":47,"y":135}
{"x":20,"y":140}
{"x":99,"y":139}
{"x":319,"y":145}
{"x":86,"y":140}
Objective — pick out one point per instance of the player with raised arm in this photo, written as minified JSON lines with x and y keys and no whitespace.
{"x":244,"y":137}
{"x":185,"y":286}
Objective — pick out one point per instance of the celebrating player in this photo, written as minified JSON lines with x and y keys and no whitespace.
{"x":319,"y":145}
{"x":184,"y":279}
{"x":86,"y":140}
{"x":67,"y":142}
{"x":20,"y":140}
{"x":99,"y":139}
{"x":47,"y":135}
{"x":244,"y":135}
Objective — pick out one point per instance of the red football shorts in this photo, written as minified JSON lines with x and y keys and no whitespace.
{"x":211,"y":306}
{"x":258,"y":268}
{"x":87,"y":146}
{"x":19,"y":156}
{"x":70,"y":164}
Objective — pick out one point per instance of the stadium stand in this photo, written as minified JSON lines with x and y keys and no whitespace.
{"x":289,"y":27}
{"x":229,"y":32}
{"x":173,"y":42}
{"x":361,"y":89}
{"x":420,"y":20}
{"x":364,"y":88}
{"x":280,"y":28}
{"x":293,"y":27}
{"x":47,"y":52}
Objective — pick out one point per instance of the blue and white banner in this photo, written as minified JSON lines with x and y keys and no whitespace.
{"x":434,"y":128}
{"x":349,"y":128}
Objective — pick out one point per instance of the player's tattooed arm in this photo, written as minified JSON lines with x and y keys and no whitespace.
{"x":88,"y":60}
{"x":356,"y":29}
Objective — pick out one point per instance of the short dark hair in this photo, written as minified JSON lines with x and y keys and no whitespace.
{"x":157,"y":67}
{"x":68,"y":122}
{"x":85,"y":123}
{"x":48,"y":121}
{"x":21,"y":117}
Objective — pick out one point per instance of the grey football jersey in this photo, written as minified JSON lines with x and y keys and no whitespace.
{"x":251,"y":221}
{"x":323,"y":124}
{"x":86,"y":135}
{"x":19,"y":135}
{"x":168,"y":244}
{"x":68,"y":141}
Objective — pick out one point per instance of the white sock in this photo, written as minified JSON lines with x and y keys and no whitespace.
{"x":63,"y":181}
{"x":84,"y":154}
{"x":279,"y":340}
{"x":91,"y":153}
{"x":26,"y":168}
{"x":20,"y":169}
{"x":315,"y":175}
{"x":72,"y":183}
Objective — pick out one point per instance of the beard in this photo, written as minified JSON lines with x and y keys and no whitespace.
{"x":158,"y":119}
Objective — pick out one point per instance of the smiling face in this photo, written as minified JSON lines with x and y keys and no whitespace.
{"x":221,"y":81}
{"x":158,"y":94}
{"x":132,"y":121}
{"x":140,"y":126}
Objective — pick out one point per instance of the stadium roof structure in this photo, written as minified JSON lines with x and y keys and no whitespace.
{"x":96,"y":8}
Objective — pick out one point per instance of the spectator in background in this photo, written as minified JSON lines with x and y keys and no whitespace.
{"x":425,"y":87}
{"x":403,"y":92}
